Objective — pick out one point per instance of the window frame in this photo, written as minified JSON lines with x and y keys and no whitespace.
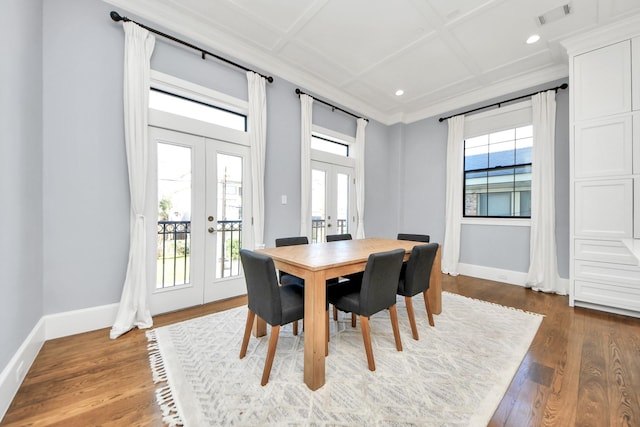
{"x":504,"y":118}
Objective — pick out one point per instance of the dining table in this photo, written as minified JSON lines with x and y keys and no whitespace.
{"x":316,"y":263}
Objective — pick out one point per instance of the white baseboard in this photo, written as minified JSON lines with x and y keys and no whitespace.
{"x":50,"y":327}
{"x":498,"y":275}
{"x":13,"y":374}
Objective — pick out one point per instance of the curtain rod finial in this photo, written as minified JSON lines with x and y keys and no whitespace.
{"x":116,"y":16}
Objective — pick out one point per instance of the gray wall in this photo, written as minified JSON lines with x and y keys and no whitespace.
{"x":424,"y":176}
{"x":20,"y":173}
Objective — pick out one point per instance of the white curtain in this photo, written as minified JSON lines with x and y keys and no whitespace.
{"x":258,"y":138}
{"x":306,"y":107}
{"x":134,"y":303}
{"x":543,"y":264}
{"x":359,"y":154}
{"x":453,"y":201}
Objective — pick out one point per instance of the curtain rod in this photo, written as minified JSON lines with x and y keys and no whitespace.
{"x":116,"y":17}
{"x":299,"y":92}
{"x":499,"y":104}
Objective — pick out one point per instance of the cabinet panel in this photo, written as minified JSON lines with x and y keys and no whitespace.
{"x":604,"y":208}
{"x":602,"y":81}
{"x":636,"y":209}
{"x":604,"y":148}
{"x":636,"y":139}
{"x":613,"y":251}
{"x":608,"y":294}
{"x":635,"y":69}
{"x":608,"y":272}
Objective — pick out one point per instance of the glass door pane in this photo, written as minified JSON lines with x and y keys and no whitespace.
{"x":342,"y":204}
{"x":229,"y":215}
{"x":318,"y":205}
{"x":174,"y":216}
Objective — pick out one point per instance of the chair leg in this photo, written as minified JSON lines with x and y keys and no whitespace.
{"x":271,"y":352}
{"x":353,"y":320}
{"x":247,"y":332}
{"x":396,"y":328}
{"x":412,"y":318}
{"x":366,"y":336}
{"x":427,"y":305}
{"x":335,"y":313}
{"x":295,"y":327}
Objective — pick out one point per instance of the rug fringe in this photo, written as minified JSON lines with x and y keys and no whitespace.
{"x":164,"y":395}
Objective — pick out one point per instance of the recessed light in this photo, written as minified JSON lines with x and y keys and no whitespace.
{"x":399,"y":92}
{"x":533,"y":38}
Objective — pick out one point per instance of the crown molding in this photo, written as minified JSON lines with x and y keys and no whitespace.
{"x":496,"y":90}
{"x":623,"y":29}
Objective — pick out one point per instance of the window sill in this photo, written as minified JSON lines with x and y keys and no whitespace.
{"x":511,"y":222}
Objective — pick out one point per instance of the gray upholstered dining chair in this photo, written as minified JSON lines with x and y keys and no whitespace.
{"x":286,"y":278}
{"x":336,"y":237}
{"x":354,"y":279}
{"x":377,"y":292}
{"x":414,"y":237}
{"x":276,"y":305}
{"x":414,"y":279}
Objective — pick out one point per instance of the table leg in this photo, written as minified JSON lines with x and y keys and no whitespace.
{"x":314,"y":329}
{"x":435,"y":284}
{"x":259,"y":327}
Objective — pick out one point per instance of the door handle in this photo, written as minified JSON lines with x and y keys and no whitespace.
{"x":211,"y":230}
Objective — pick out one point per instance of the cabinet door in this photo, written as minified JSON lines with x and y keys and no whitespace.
{"x":602,"y":81}
{"x":635,"y":69}
{"x":603,"y":148}
{"x":636,"y":140}
{"x":636,"y":198}
{"x":604,"y":208}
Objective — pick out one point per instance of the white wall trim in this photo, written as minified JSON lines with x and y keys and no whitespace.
{"x":50,"y":327}
{"x":518,"y":278}
{"x":13,"y":374}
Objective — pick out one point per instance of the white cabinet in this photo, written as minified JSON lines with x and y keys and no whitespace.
{"x":604,"y":147}
{"x":605,"y":169}
{"x":602,"y":81}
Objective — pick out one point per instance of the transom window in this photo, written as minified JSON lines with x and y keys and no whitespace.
{"x":186,"y":107}
{"x":497,"y":174}
{"x":328,"y":145}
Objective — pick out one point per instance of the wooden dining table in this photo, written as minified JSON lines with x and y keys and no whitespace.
{"x":318,"y":262}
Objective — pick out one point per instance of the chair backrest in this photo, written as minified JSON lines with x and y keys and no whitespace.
{"x":262,"y":286}
{"x":414,"y":237}
{"x":380,"y":281}
{"x":292,"y":241}
{"x":416,"y":278}
{"x":336,"y":237}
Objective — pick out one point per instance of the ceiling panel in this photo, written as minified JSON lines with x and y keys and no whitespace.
{"x":282,"y":15}
{"x":360,"y":33}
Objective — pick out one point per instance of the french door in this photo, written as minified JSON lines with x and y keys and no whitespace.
{"x":332,"y":200}
{"x":200,"y":194}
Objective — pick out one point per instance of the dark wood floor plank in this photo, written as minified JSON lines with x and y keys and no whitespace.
{"x":583,"y":368}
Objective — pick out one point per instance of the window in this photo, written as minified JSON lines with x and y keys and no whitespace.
{"x":497,"y":174}
{"x":327,"y":145}
{"x":186,"y":107}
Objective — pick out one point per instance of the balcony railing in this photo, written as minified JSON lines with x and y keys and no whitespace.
{"x":174,"y":251}
{"x":319,"y":229}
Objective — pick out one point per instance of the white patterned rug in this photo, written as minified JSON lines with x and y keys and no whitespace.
{"x":455,"y":375}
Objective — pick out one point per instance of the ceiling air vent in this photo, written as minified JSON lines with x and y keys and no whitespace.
{"x":554,"y":14}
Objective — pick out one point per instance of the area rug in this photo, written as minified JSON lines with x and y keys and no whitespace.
{"x":455,"y":375}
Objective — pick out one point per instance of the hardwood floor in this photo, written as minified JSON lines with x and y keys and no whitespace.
{"x":583,"y":368}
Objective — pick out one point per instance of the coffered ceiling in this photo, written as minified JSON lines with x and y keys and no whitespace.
{"x":444,"y":54}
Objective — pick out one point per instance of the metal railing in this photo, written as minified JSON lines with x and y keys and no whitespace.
{"x":173,"y":253}
{"x":229,"y":244}
{"x":319,"y":229}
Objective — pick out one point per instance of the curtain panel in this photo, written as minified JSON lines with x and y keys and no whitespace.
{"x":359,"y":148}
{"x":306,"y":118}
{"x":543,"y":264}
{"x":258,"y":138}
{"x":453,"y":201}
{"x":134,"y":303}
